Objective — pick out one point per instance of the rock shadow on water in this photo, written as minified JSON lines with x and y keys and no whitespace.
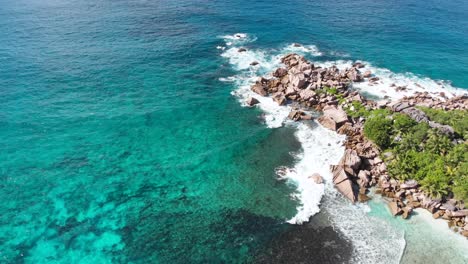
{"x":313,"y":242}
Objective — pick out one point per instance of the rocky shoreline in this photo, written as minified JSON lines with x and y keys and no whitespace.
{"x":305,"y":86}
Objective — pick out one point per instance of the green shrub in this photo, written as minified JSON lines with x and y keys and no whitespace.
{"x":378,"y":128}
{"x":402,"y":123}
{"x":460,"y":182}
{"x":437,"y":143}
{"x":357,"y":110}
{"x":458,"y":119}
{"x":420,"y":152}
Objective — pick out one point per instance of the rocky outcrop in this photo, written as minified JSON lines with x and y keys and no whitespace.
{"x":259,"y":89}
{"x":327,"y":122}
{"x":279,"y":98}
{"x":333,"y":117}
{"x":438,"y":100}
{"x":343,"y":182}
{"x":394,"y":208}
{"x":251,"y":101}
{"x":298,"y":115}
{"x":338,"y":115}
{"x":307,"y":86}
{"x":419,"y":116}
{"x":416,"y":114}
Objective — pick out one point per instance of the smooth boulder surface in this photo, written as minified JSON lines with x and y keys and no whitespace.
{"x":394,"y":209}
{"x":343,"y":183}
{"x":350,"y":162}
{"x":259,"y":89}
{"x":338,"y":115}
{"x":327,"y":122}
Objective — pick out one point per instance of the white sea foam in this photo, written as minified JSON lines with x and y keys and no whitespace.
{"x":320,"y":148}
{"x":303,"y":49}
{"x":389,"y":81}
{"x":374,"y":239}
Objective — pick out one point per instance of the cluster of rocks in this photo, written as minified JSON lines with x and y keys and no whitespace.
{"x":304,"y":82}
{"x":361,"y":167}
{"x":404,"y":197}
{"x":439,"y":101}
{"x":408,"y":108}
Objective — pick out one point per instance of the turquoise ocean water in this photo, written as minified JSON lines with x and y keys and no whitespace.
{"x":120,"y":143}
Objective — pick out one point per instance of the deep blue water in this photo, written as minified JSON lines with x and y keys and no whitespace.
{"x":120,"y":144}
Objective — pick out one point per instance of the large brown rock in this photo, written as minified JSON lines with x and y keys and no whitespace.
{"x":297,"y":115}
{"x":344,"y":185}
{"x":251,"y":101}
{"x":338,"y":115}
{"x":354,"y":75}
{"x":259,"y":89}
{"x":363,"y":176}
{"x":298,"y":80}
{"x":350,"y":161}
{"x":406,"y":212}
{"x":327,"y":122}
{"x":280,"y":72}
{"x":459,"y":213}
{"x":394,"y":208}
{"x":306,"y":94}
{"x":367,"y":74}
{"x":465,"y":233}
{"x":279,"y":99}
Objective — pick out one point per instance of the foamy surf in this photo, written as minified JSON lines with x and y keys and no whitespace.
{"x":374,"y":240}
{"x":321,"y":147}
{"x":388,"y":83}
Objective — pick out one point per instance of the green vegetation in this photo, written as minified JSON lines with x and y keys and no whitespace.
{"x":331,"y":91}
{"x":378,"y":128}
{"x":357,"y":109}
{"x":422,"y":153}
{"x":454,"y":118}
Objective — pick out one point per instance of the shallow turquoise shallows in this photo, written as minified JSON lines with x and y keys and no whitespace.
{"x":119,"y":144}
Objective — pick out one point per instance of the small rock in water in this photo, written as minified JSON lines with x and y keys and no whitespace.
{"x":242,"y":50}
{"x":395,"y":210}
{"x":252,"y":101}
{"x":316,"y":178}
{"x":254,"y":63}
{"x":367,"y":74}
